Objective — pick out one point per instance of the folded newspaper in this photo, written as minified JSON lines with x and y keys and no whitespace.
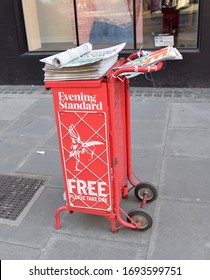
{"x":80,"y":63}
{"x":150,"y":58}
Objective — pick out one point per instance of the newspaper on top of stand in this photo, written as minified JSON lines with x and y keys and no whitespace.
{"x":80,"y":63}
{"x":149,"y":58}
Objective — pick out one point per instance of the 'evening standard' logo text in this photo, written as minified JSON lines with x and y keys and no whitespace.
{"x":79,"y":102}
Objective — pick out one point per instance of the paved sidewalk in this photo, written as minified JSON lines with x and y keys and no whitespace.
{"x":170,"y":148}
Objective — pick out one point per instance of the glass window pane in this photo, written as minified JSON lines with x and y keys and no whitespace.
{"x":48,"y":24}
{"x":170,"y":22}
{"x":105,"y":22}
{"x":51,"y":24}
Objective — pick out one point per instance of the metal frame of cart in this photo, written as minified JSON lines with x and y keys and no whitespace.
{"x":94,"y":134}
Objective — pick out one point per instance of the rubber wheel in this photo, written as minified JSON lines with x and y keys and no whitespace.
{"x":145,"y":188}
{"x":140,"y":216}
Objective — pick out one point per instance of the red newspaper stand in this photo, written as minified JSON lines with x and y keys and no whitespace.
{"x":93,"y":125}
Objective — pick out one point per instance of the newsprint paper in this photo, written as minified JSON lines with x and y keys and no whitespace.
{"x":80,"y":63}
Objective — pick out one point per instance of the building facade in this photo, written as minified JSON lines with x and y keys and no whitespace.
{"x":34,"y":29}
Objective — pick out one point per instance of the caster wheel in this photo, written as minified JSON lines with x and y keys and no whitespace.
{"x":145,"y":188}
{"x":140,"y":216}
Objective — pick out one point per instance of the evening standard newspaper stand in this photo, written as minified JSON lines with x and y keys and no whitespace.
{"x":93,"y":125}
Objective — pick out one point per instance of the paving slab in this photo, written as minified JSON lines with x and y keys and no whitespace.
{"x":38,"y":225}
{"x":15,"y":252}
{"x":148,"y":123}
{"x":71,"y":247}
{"x":10,"y":109}
{"x":3,"y":124}
{"x":192,"y":142}
{"x":45,"y":161}
{"x":181,"y":231}
{"x":185,"y":178}
{"x":148,"y":134}
{"x":190,"y":115}
{"x":52,"y":141}
{"x":149,"y":111}
{"x":36,"y":122}
{"x":14,"y":152}
{"x":146,"y":163}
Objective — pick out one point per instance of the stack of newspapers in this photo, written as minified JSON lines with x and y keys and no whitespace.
{"x":80,"y":63}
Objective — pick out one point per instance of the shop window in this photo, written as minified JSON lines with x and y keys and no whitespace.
{"x":170,"y":22}
{"x":53,"y":25}
{"x":109,"y":22}
{"x":48,"y":24}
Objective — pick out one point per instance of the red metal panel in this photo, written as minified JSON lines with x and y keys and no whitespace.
{"x":82,"y":123}
{"x":117,"y":88}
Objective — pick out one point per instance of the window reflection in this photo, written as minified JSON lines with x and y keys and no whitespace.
{"x":170,"y":22}
{"x":112,"y":22}
{"x":52,"y":20}
{"x":107,"y":22}
{"x":51,"y":25}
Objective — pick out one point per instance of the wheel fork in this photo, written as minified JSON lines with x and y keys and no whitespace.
{"x":144,"y":200}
